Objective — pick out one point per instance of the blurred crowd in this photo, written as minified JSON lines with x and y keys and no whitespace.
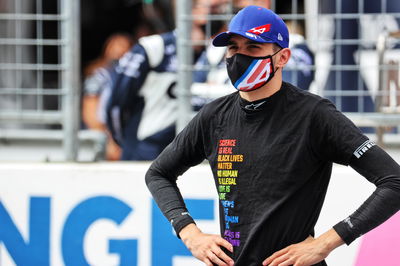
{"x":129,"y":89}
{"x":129,"y":63}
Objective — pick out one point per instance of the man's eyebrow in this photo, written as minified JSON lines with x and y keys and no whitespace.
{"x":252,"y":42}
{"x":231,"y":42}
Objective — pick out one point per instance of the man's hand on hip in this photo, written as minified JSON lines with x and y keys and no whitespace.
{"x":206,"y":247}
{"x":306,"y":253}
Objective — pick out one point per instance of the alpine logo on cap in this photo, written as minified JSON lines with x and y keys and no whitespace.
{"x":260,"y":29}
{"x":280,"y":37}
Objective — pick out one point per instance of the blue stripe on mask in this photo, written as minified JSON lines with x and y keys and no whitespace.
{"x":246,"y":73}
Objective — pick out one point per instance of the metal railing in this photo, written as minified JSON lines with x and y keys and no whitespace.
{"x":343,"y":36}
{"x":38,"y":91}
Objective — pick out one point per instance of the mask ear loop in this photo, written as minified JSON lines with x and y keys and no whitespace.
{"x":277,"y":51}
{"x":272,"y":61}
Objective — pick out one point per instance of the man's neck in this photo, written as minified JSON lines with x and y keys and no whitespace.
{"x":265,"y":91}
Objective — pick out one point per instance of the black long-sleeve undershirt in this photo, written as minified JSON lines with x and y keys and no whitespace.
{"x":167,"y":195}
{"x":380,"y":169}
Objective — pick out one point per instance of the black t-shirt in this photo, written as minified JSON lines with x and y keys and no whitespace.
{"x":271,"y":162}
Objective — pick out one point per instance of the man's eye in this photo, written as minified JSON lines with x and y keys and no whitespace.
{"x":254,"y":46}
{"x":232,"y":47}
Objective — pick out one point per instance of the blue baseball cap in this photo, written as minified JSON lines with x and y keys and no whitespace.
{"x":257,"y":24}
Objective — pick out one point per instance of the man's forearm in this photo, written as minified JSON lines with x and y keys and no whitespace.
{"x":329,"y":241}
{"x":169,"y":199}
{"x":379,"y":168}
{"x":188,"y":231}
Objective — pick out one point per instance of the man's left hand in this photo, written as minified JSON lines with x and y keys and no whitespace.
{"x":306,"y":253}
{"x":301,"y":254}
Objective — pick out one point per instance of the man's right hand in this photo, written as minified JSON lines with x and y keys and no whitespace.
{"x":206,"y":247}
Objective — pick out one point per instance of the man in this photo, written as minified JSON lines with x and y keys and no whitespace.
{"x":96,"y":88}
{"x":141,"y":110}
{"x":270,"y":147}
{"x":142,"y":107}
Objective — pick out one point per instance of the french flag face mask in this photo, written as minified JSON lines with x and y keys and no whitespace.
{"x":249,"y":73}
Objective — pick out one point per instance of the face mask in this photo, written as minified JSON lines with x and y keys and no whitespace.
{"x":249,"y":73}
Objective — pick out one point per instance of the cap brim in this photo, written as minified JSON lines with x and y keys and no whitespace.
{"x":222,"y":39}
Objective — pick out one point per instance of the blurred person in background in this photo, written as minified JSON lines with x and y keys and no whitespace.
{"x":142,"y":109}
{"x":96,"y":88}
{"x":239,"y":4}
{"x":300,"y":66}
{"x":271,"y":147}
{"x":299,"y":70}
{"x":114,"y":48}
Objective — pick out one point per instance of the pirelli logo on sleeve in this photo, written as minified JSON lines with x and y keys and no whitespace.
{"x":364,"y":148}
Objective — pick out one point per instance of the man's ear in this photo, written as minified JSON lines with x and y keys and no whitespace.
{"x":283,"y":58}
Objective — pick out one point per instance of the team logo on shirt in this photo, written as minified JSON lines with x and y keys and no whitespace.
{"x":254,"y":106}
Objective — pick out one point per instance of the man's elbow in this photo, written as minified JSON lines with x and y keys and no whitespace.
{"x":149,"y":176}
{"x":391,"y":182}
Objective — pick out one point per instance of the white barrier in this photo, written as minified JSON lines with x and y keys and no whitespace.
{"x":102,"y":214}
